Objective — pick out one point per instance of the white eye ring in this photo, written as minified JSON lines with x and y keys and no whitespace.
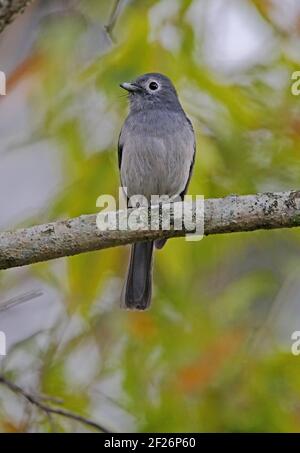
{"x":153,"y":85}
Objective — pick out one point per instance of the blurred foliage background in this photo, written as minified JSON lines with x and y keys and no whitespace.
{"x":213,"y":353}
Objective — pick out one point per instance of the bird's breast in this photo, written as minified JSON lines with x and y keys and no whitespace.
{"x":156,"y":156}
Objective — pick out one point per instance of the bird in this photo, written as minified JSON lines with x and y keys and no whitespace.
{"x":156,"y":155}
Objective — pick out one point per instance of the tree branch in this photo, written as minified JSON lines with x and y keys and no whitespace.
{"x":48,"y":409}
{"x":78,"y":235}
{"x":9,"y":9}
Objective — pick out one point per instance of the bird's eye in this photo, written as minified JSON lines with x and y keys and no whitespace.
{"x":153,"y":86}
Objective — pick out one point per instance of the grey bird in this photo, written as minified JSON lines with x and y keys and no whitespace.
{"x":156,"y":153}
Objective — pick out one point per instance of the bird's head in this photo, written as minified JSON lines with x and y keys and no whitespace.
{"x":152,"y":90}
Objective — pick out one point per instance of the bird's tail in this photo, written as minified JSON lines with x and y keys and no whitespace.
{"x":138,"y":286}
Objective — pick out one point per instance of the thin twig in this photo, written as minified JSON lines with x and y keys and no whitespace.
{"x":51,"y":410}
{"x":18,"y":300}
{"x":115,"y":12}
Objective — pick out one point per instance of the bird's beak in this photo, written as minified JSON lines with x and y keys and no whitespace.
{"x":129,"y":86}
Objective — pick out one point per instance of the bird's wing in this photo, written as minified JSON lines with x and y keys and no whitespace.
{"x":120,"y":150}
{"x":120,"y":153}
{"x":192,"y":162}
